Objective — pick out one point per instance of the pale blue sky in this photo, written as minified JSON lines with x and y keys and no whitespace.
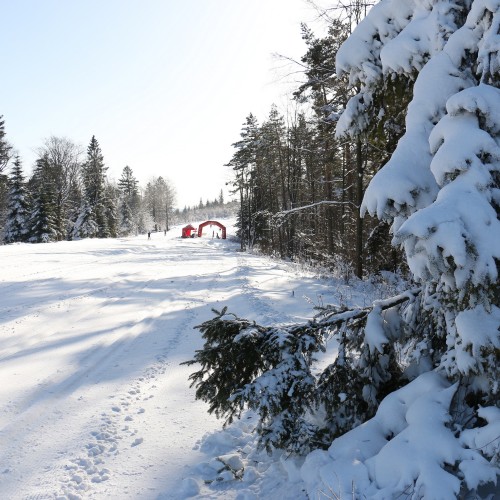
{"x":164,"y":85}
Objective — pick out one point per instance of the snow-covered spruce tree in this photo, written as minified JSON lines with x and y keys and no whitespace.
{"x":440,"y":192}
{"x":129,"y":204}
{"x":266,"y":369}
{"x":111,"y":195}
{"x":126,"y":225}
{"x":16,"y":228}
{"x":5,"y":157}
{"x":92,"y":221}
{"x":440,"y":187}
{"x":74,"y":202}
{"x":42,"y":220}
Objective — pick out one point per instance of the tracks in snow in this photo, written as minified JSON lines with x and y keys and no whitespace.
{"x":83,"y":428}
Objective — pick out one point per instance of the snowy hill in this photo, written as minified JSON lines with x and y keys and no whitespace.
{"x":93,"y":401}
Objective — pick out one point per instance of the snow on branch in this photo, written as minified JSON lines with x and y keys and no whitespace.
{"x":334,"y":317}
{"x":272,"y":370}
{"x":407,"y":450}
{"x":284,"y":213}
{"x":459,"y":232}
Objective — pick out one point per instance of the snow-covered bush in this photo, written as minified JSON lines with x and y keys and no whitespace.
{"x":273,"y":370}
{"x":244,"y":365}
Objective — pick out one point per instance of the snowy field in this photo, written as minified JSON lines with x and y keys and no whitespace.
{"x":93,"y":400}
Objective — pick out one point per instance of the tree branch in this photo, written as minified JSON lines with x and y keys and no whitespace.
{"x":336,"y":318}
{"x":284,"y":213}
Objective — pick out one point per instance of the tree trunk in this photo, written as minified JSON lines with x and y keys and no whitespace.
{"x":359,"y":219}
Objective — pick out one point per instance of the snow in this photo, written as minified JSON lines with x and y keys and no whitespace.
{"x":94,"y":402}
{"x":375,"y":335}
{"x":370,"y":460}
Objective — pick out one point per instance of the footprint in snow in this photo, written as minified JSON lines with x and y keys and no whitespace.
{"x":137,"y":441}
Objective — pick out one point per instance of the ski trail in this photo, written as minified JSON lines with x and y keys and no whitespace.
{"x":118,"y":433}
{"x":62,"y":400}
{"x":94,"y":402}
{"x":259,"y":302}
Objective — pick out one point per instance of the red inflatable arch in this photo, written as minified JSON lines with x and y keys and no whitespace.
{"x":214,"y":222}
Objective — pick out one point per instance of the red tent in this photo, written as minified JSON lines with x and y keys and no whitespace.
{"x":186,"y":231}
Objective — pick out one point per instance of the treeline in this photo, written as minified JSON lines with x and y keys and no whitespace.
{"x":217,"y":209}
{"x":299,"y":187}
{"x":69,"y":196}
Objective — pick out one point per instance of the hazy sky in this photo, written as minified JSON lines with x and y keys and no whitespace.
{"x":164,"y":85}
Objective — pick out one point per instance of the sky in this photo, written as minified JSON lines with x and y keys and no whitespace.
{"x":164,"y":85}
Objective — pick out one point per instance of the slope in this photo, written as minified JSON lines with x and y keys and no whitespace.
{"x":93,"y":402}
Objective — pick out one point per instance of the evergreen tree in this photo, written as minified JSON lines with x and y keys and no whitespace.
{"x":18,"y":207}
{"x":130,"y":202}
{"x":425,"y":361}
{"x":62,"y":171}
{"x":128,"y":186}
{"x":111,"y":209}
{"x":5,"y":156}
{"x":127,"y":223}
{"x":446,"y":170}
{"x":42,"y":221}
{"x":73,"y":204}
{"x":243,"y":164}
{"x":5,"y":147}
{"x":93,"y":221}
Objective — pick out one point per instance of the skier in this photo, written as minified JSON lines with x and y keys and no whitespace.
{"x":149,"y":235}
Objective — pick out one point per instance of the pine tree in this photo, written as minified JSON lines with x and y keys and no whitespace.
{"x":243,"y":164}
{"x":420,"y":370}
{"x":93,"y":221}
{"x":74,"y":202}
{"x":42,"y":221}
{"x":62,"y":170}
{"x":5,"y":147}
{"x":130,"y":202}
{"x":127,"y":224}
{"x":5,"y":156}
{"x":18,"y":207}
{"x":111,"y":198}
{"x":128,"y":186}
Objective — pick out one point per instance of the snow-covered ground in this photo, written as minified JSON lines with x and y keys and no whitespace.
{"x":93,"y":400}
